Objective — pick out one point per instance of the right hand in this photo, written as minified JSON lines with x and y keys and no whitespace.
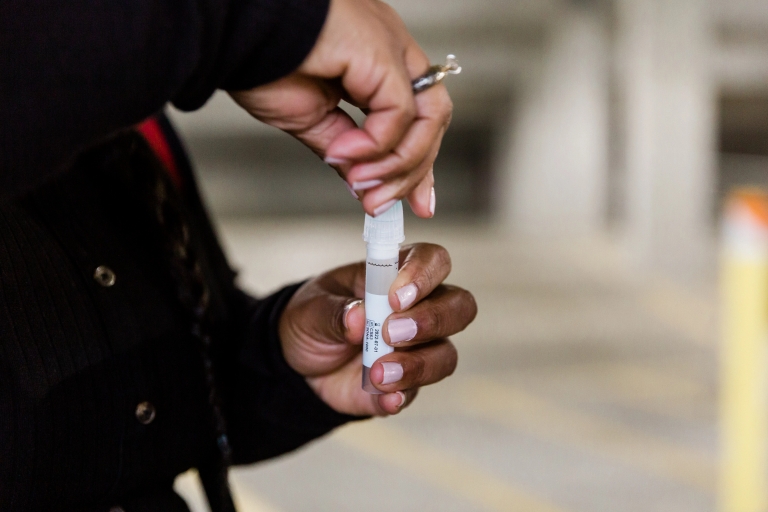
{"x":322,"y":328}
{"x":365,"y":55}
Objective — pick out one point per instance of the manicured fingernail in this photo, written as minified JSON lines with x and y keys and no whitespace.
{"x":401,"y":329}
{"x":335,"y":161}
{"x":365,"y":185}
{"x":432,"y":202}
{"x":393,"y":372}
{"x":347,"y":309}
{"x":386,"y":206}
{"x":406,"y":295}
{"x":402,"y":399}
{"x":351,"y":190}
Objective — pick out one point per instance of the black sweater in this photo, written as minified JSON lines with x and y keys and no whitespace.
{"x":72,"y":72}
{"x":80,"y":362}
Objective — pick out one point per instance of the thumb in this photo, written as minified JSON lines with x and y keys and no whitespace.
{"x":302,"y":106}
{"x":321,"y":331}
{"x":324,"y":318}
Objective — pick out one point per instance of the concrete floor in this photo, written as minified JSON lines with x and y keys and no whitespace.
{"x":580,"y":387}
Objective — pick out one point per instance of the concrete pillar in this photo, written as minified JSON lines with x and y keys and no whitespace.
{"x":669,"y":103}
{"x":552,"y":179}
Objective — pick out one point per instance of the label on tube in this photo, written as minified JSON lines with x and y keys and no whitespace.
{"x":379,"y":276}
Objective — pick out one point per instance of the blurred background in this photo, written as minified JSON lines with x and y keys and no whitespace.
{"x":579,"y":191}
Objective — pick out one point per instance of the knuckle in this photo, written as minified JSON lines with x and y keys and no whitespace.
{"x":410,"y":158}
{"x":426,"y":279}
{"x":434,"y":264}
{"x":432,"y":322}
{"x":418,"y":367}
{"x":408,"y":111}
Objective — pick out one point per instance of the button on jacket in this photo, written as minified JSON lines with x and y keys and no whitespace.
{"x":103,"y":394}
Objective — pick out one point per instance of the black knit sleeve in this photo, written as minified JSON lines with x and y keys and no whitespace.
{"x":272,"y":409}
{"x":74,"y":72}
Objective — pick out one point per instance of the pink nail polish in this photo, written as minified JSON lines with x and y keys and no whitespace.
{"x":332,"y":160}
{"x":365,"y":185}
{"x":384,"y":207}
{"x":351,"y":190}
{"x":401,"y":329}
{"x":402,"y":399}
{"x":406,"y":295}
{"x":393,"y":372}
{"x":432,"y":202}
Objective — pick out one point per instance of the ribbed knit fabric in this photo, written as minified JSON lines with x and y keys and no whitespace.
{"x":77,"y":357}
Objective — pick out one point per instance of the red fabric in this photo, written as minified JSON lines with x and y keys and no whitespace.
{"x":154,"y":135}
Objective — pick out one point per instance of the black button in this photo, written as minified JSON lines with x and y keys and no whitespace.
{"x":104,"y":276}
{"x":145,"y":413}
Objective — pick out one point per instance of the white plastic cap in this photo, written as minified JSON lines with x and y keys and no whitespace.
{"x":386,"y":228}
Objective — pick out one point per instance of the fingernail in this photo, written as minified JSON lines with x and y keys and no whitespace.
{"x":432,"y":202}
{"x":335,"y":161}
{"x":347,"y":309}
{"x":406,"y":295}
{"x":365,"y":185}
{"x":351,"y":190}
{"x":386,"y":206}
{"x":402,"y":399}
{"x":401,"y":329}
{"x":393,"y":372}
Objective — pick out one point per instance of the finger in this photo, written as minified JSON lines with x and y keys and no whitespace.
{"x":421,"y":142}
{"x":293,"y":103}
{"x":447,"y":311}
{"x":319,"y":136}
{"x":419,"y":366}
{"x":389,"y":103}
{"x":305,"y":107}
{"x":423,"y":267}
{"x":348,"y":280}
{"x":386,"y":93}
{"x":393,"y":403}
{"x":382,"y":194}
{"x":416,"y":60}
{"x":330,"y":313}
{"x":336,"y":389}
{"x":422,"y":198}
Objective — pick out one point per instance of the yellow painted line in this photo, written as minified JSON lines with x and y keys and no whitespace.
{"x":517,"y":409}
{"x":391,"y":445}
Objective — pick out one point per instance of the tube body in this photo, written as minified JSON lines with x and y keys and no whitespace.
{"x":381,"y":265}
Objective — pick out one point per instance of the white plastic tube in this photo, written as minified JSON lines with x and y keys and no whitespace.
{"x":383,"y":235}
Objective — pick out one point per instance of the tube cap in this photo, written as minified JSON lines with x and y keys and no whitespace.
{"x":386,"y":228}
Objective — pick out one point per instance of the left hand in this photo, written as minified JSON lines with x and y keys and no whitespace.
{"x":321,"y":331}
{"x":364,"y":54}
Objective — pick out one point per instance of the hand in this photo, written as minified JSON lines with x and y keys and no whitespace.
{"x":322,"y":332}
{"x":364,"y":54}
